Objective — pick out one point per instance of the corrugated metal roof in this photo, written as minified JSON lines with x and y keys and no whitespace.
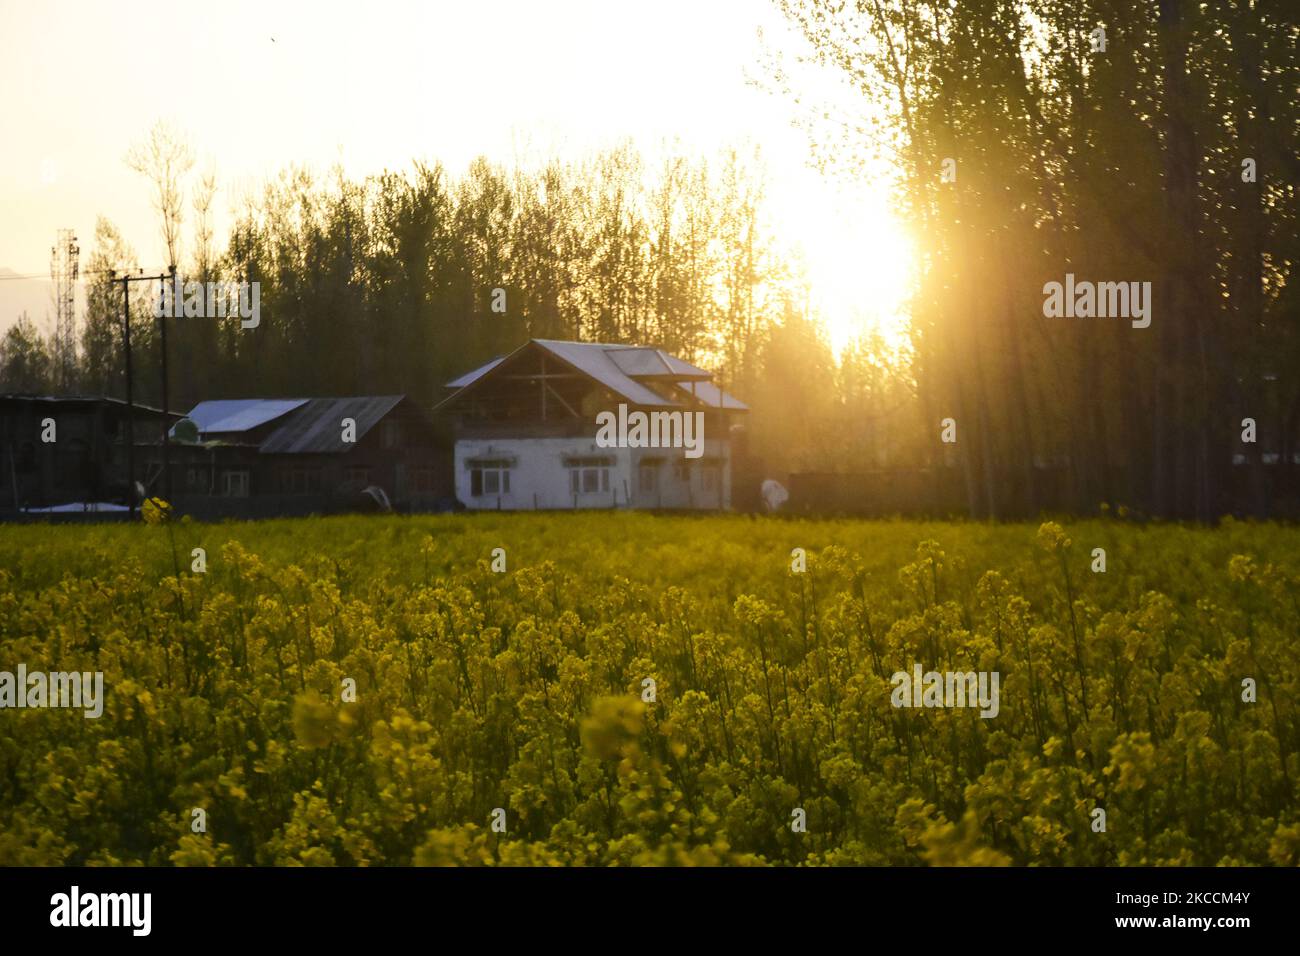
{"x":594,"y":359}
{"x":475,"y":375}
{"x":317,"y":427}
{"x":240,"y":414}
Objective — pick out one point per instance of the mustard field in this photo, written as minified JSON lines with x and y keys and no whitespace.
{"x":627,"y":689}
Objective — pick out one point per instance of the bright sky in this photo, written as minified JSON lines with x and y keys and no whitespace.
{"x":380,"y":83}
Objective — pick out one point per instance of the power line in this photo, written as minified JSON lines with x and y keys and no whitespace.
{"x":84,"y":272}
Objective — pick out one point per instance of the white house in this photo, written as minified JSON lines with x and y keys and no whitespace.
{"x":587,"y":425}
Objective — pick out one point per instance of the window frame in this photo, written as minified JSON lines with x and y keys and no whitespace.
{"x":245,"y":480}
{"x":479,"y":476}
{"x":579,"y":475}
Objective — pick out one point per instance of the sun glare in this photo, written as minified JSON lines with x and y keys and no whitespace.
{"x":858,"y":259}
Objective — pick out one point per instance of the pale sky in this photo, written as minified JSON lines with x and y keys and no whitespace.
{"x":378,"y":84}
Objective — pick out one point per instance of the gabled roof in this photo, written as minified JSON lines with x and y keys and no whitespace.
{"x":240,"y":414}
{"x":596,"y":361}
{"x":622,"y":369}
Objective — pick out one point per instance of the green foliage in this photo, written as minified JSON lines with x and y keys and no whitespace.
{"x":523,"y":691}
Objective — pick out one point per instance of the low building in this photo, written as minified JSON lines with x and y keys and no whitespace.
{"x":531,"y":430}
{"x":69,"y":452}
{"x":266,"y":457}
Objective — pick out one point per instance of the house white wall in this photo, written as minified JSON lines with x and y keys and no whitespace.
{"x":540,"y":478}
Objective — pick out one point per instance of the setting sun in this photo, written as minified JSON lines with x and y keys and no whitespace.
{"x":858,"y":259}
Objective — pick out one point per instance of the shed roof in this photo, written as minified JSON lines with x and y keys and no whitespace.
{"x":24,"y":397}
{"x":684,"y":369}
{"x":714,"y":397}
{"x":640,"y":362}
{"x":316,"y":427}
{"x":475,"y":375}
{"x":240,"y":414}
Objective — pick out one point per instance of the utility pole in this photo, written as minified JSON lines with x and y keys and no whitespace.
{"x":130,"y":399}
{"x":130,"y":380}
{"x":162,"y":343}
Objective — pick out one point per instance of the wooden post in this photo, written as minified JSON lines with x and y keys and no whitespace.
{"x":166,"y":444}
{"x":129,"y":433}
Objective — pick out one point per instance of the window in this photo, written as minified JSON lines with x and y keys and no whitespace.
{"x":649,"y":477}
{"x":489,"y":477}
{"x":392,"y":433}
{"x":356,"y":475}
{"x":588,"y":476}
{"x":588,"y":481}
{"x":298,"y":480}
{"x":682,"y":470}
{"x":234,"y":484}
